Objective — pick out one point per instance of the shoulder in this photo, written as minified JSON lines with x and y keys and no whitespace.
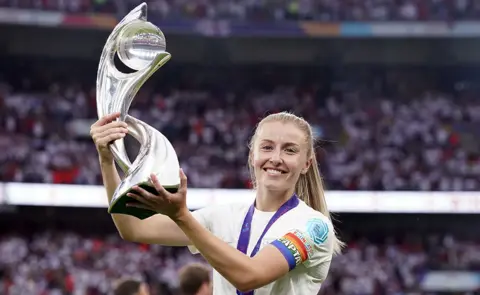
{"x":210,"y":216}
{"x":309,"y":232}
{"x":311,"y":221}
{"x":222,"y":220}
{"x":223,"y":208}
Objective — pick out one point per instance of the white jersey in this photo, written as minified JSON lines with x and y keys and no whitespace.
{"x":304,"y":236}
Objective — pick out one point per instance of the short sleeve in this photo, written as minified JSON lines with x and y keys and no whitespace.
{"x":204,"y":217}
{"x":310,"y":244}
{"x":207,"y":217}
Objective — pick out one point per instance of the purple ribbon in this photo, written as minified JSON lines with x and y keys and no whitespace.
{"x":244,"y":238}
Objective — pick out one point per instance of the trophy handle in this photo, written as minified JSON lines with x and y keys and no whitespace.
{"x":156,"y":154}
{"x":145,"y":135}
{"x":127,"y":86}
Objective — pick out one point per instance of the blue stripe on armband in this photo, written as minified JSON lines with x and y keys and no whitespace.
{"x":286,"y":253}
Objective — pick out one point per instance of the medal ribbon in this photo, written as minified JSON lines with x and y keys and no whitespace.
{"x":244,"y":238}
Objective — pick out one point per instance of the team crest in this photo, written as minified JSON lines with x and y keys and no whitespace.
{"x":318,"y":230}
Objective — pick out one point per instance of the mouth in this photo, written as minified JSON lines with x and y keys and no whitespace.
{"x":274,"y":171}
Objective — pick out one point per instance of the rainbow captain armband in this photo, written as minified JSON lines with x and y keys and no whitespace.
{"x":295,"y":247}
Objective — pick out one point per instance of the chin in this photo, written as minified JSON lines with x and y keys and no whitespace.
{"x":274,"y":185}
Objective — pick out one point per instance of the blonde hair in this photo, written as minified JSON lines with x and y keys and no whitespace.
{"x":309,"y":186}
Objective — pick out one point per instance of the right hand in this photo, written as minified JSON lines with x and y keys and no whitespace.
{"x":104,"y":132}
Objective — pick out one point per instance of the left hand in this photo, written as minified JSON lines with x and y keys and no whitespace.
{"x":170,"y":204}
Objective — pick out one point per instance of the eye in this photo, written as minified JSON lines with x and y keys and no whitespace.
{"x":291,"y":150}
{"x":266,"y":148}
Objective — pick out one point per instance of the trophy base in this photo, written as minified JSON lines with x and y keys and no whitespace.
{"x":119,"y":206}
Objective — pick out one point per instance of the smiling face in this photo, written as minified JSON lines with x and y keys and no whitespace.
{"x":279,"y":156}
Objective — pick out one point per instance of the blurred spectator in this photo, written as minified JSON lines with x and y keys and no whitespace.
{"x":195,"y":279}
{"x":131,"y":287}
{"x":383,"y":132}
{"x":67,"y":263}
{"x":321,"y":10}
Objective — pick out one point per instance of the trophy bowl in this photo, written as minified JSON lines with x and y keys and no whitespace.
{"x":139,"y":43}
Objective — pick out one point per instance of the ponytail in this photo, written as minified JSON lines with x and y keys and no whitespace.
{"x":310,"y":189}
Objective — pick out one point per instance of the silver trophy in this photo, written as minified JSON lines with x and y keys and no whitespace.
{"x":141,"y":46}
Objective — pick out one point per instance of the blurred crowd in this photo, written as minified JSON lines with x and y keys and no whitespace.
{"x":386,"y":131}
{"x":51,"y":263}
{"x":320,"y":10}
{"x":398,"y":267}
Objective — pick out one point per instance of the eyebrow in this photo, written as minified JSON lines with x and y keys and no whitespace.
{"x":285,"y":144}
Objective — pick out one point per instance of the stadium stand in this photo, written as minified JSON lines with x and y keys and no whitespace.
{"x":418,"y":139}
{"x":379,"y":128}
{"x":324,"y":10}
{"x":85,"y":257}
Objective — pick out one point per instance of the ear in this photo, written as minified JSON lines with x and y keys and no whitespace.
{"x":307,"y":166}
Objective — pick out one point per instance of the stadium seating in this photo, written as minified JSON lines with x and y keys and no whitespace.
{"x":370,"y":139}
{"x":326,"y":10}
{"x":61,"y":262}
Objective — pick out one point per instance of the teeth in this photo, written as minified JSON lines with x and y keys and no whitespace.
{"x":273,"y":171}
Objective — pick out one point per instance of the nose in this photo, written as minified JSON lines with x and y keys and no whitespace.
{"x":276,"y":158}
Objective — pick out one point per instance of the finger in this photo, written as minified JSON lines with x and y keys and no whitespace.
{"x":106,"y":119}
{"x":94,"y":130}
{"x":109,"y":135}
{"x":104,"y":141}
{"x":113,"y":130}
{"x":156,"y":184}
{"x":111,"y":125}
{"x":140,"y":199}
{"x":183,"y":181}
{"x":139,"y":206}
{"x":147,"y":195}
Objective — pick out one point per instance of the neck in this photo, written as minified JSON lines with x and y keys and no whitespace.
{"x":271,"y":201}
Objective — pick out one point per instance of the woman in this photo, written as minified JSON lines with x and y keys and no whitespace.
{"x":281,"y":244}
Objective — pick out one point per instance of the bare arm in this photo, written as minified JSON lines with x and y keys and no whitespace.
{"x":242,"y":271}
{"x":158,"y":229}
